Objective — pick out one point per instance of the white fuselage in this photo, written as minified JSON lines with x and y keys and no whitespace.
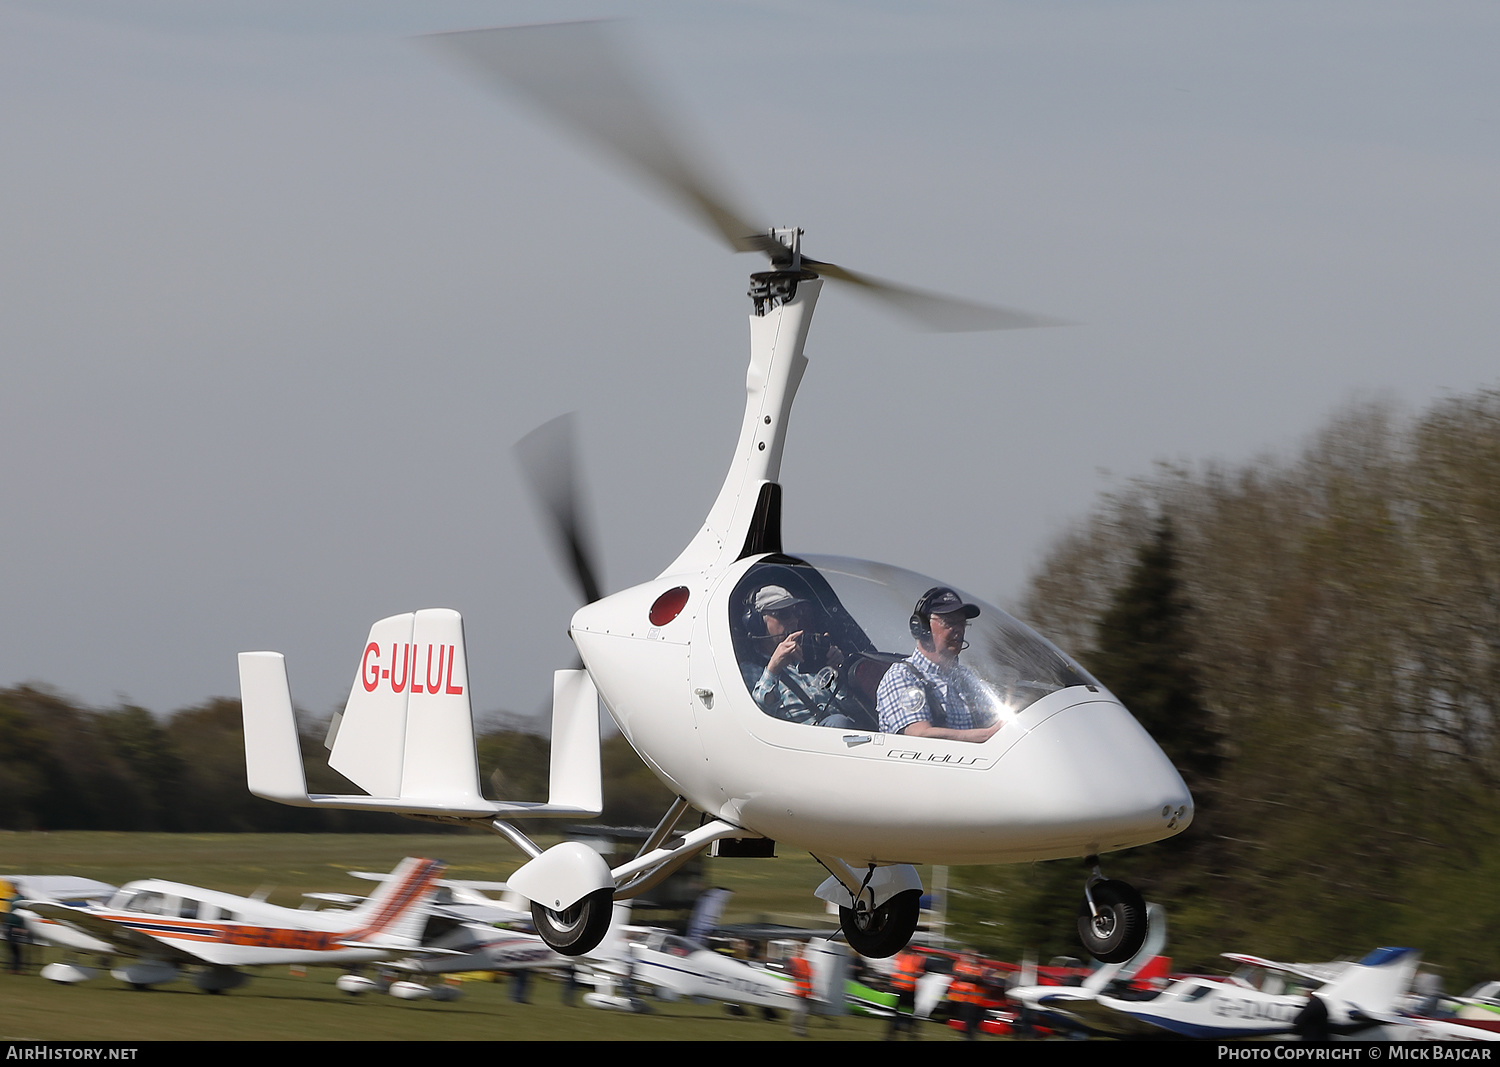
{"x":690,"y":970}
{"x":215,"y":928}
{"x":1072,"y":774}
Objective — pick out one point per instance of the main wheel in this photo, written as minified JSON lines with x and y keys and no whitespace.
{"x":578,"y":929}
{"x":886,"y":930}
{"x":1118,"y":931}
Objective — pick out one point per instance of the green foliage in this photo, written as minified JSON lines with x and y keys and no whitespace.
{"x":1144,"y":655}
{"x":1341,"y":616}
{"x":633,"y":796}
{"x":64,"y":767}
{"x":515,"y":765}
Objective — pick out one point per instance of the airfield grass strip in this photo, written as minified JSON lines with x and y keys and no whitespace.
{"x":279,"y":1005}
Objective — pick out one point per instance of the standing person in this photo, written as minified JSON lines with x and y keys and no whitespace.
{"x":15,"y":935}
{"x":968,"y":991}
{"x":907,"y":969}
{"x":1311,"y":1023}
{"x":801,"y":971}
{"x":519,"y":983}
{"x":928,"y":693}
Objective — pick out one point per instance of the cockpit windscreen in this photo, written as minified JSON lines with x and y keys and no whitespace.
{"x":841,"y":643}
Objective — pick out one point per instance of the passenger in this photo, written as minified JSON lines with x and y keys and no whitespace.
{"x":800,"y":683}
{"x":931,"y":694}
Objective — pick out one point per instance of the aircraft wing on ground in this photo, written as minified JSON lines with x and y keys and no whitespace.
{"x":57,"y":888}
{"x":485,"y":949}
{"x":463,"y":901}
{"x":1099,"y":1017}
{"x":121,"y":936}
{"x":1312,"y":972}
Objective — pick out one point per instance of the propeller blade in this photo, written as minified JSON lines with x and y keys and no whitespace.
{"x":944,"y":314}
{"x":575,"y":74}
{"x":546,"y":456}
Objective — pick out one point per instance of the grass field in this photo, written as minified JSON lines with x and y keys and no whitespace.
{"x":778,"y":890}
{"x":277,"y":1005}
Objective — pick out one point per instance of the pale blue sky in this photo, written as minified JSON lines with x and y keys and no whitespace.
{"x":281,"y":290}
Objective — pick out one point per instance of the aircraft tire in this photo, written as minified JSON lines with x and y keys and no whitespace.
{"x":579,"y":929}
{"x":886,"y":930}
{"x":1119,"y":930}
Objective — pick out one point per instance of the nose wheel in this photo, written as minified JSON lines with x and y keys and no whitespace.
{"x":1112,"y":919}
{"x":882,"y":931}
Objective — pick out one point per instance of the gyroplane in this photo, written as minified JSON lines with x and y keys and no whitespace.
{"x":811,"y":700}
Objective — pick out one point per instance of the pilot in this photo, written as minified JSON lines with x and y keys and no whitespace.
{"x":928,"y":694}
{"x":800,"y":683}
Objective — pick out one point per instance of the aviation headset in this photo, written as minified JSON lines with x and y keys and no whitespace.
{"x":753,"y":622}
{"x":921,"y":616}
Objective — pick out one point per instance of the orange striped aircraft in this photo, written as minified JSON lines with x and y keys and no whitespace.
{"x":164,"y":926}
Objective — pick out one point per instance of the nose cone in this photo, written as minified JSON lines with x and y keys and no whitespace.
{"x":1093,"y":777}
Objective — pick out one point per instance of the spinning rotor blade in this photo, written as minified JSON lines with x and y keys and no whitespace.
{"x":573,"y":72}
{"x":945,"y":314}
{"x":546,"y":458}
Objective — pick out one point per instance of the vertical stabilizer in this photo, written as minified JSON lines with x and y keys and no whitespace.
{"x":408,"y":729}
{"x":395,"y":912}
{"x":371,"y":738}
{"x":1375,"y":983}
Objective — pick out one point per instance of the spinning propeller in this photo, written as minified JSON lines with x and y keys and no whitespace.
{"x":574,"y":73}
{"x":546,"y":456}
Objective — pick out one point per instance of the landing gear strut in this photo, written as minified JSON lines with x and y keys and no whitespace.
{"x":1112,"y":919}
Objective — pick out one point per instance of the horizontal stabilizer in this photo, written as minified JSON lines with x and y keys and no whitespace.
{"x":407,"y":731}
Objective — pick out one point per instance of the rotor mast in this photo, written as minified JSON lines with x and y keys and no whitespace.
{"x":783,"y":300}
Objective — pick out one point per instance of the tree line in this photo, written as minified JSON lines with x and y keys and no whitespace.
{"x":68,"y":767}
{"x":1315,"y":642}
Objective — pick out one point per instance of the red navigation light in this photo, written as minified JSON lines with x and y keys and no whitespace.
{"x":669,"y":605}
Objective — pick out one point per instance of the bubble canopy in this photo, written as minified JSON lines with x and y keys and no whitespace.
{"x":857,"y":615}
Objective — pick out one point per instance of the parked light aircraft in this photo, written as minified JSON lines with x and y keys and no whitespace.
{"x":1063,"y":770}
{"x":1256,"y":1001}
{"x":465,"y":938}
{"x":462,"y":934}
{"x":1475,"y":1016}
{"x":679,"y":967}
{"x":163,"y":926}
{"x":1052,"y":1004}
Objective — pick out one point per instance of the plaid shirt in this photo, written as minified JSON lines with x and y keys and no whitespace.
{"x":782,"y":701}
{"x":901,"y":698}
